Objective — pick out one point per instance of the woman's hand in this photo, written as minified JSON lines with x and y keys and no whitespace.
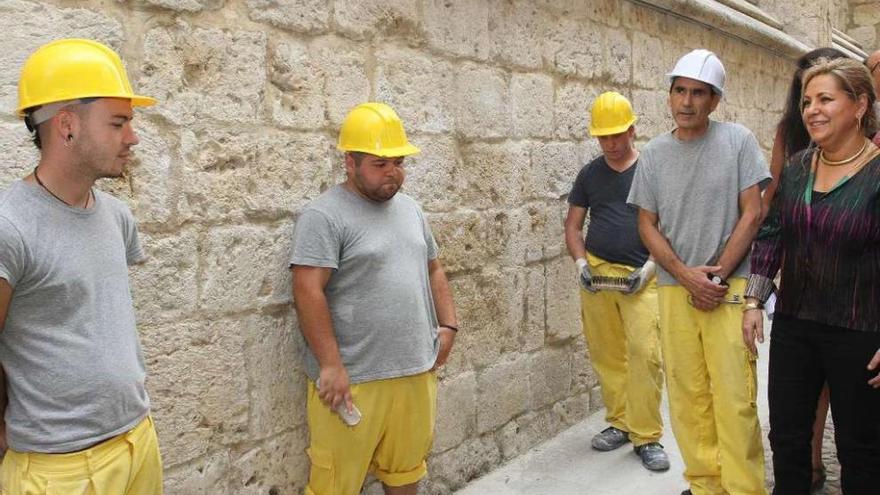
{"x":873,"y":365}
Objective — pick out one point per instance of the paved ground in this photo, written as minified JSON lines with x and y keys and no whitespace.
{"x":566,"y":465}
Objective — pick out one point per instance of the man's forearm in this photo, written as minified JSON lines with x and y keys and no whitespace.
{"x":744,"y":232}
{"x":315,"y":322}
{"x":658,"y":245}
{"x":442,"y":295}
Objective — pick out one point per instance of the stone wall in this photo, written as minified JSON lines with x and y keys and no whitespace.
{"x":862,"y":22}
{"x":251,"y":94}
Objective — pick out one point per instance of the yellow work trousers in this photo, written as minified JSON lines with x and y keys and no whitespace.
{"x":127,"y":464}
{"x":623,"y":341}
{"x":710,"y":378}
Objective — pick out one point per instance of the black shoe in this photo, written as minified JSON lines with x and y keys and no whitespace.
{"x":687,"y":492}
{"x":609,"y":439}
{"x":653,"y":456}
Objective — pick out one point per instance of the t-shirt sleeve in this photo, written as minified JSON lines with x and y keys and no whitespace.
{"x":134,"y":252}
{"x":641,"y":193}
{"x":752,"y":164}
{"x":316,"y":241}
{"x":433,"y":249}
{"x":12,"y":253}
{"x":578,"y":195}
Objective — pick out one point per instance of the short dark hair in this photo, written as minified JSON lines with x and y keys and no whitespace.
{"x":358,"y":157}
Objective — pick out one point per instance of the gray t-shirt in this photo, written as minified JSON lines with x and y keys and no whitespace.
{"x":379,"y":292}
{"x":694,"y":186}
{"x":69,"y":347}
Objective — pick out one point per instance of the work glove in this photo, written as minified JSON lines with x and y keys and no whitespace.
{"x":638,"y":278}
{"x":585,"y":278}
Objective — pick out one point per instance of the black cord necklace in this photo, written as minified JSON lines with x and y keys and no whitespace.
{"x":37,"y":177}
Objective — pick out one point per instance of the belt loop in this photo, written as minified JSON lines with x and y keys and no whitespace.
{"x":88,"y":454}
{"x":26,"y":460}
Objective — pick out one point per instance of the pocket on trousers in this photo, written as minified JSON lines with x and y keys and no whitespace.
{"x":322,"y":478}
{"x":751,"y":377}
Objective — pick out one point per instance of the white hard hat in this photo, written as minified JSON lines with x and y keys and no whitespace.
{"x":701,"y":65}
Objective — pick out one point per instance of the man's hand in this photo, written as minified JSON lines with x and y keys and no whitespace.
{"x":447,"y":338}
{"x":585,"y":278}
{"x":753,"y":329}
{"x":873,"y":365}
{"x":639,"y":278}
{"x":705,"y":295}
{"x":333,"y":387}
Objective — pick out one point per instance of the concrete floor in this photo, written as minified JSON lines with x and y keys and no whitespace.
{"x":566,"y":465}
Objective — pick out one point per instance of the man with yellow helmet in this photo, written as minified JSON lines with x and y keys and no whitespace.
{"x":376,"y":311}
{"x":619,"y":318}
{"x":77,"y":413}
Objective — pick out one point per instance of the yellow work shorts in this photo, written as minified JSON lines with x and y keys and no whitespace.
{"x":392,"y":440}
{"x":127,"y":464}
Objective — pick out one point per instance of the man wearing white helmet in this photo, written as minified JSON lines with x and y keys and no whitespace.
{"x":620,"y":323}
{"x":698,"y":189}
{"x":77,"y":420}
{"x":376,"y":311}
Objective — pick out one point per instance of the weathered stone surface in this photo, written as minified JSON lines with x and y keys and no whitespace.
{"x":516,"y":31}
{"x":618,"y":56}
{"x":468,"y":461}
{"x":573,"y":409}
{"x":198,"y":385}
{"x":429,"y":174}
{"x":151,"y":176}
{"x":165,"y":285}
{"x":458,"y":27}
{"x":18,"y":156}
{"x":29,"y":25}
{"x":420,"y":87}
{"x":206,"y":476}
{"x":182,"y":5}
{"x":492,"y":174}
{"x":571,"y":110}
{"x":554,"y":167}
{"x":202,"y":73}
{"x":866,"y":15}
{"x":574,"y":48}
{"x":466,"y":237}
{"x":528,"y":430}
{"x":366,"y":18}
{"x":653,"y":112}
{"x":296,"y":87}
{"x":646,"y":55}
{"x":502,"y":399}
{"x":531,"y":99}
{"x":244,"y":267}
{"x":563,"y":305}
{"x":535,"y":304}
{"x":456,"y":411}
{"x":549,"y":376}
{"x":865,"y":35}
{"x":301,"y":16}
{"x":276,"y":466}
{"x":346,"y":82}
{"x":482,"y":107}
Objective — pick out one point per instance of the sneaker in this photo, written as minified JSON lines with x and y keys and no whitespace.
{"x":687,"y":492}
{"x":609,"y":439}
{"x":653,"y":456}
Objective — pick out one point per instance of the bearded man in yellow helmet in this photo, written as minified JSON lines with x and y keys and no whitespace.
{"x":620,"y":322}
{"x":77,"y":418}
{"x":376,"y":311}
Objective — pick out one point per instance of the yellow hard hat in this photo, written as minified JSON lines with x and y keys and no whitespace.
{"x":376,"y":129}
{"x":71,"y":69}
{"x":611,"y":114}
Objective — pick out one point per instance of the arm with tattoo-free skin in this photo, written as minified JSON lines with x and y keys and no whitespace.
{"x":316,"y":324}
{"x":574,"y":231}
{"x":445,"y":308}
{"x":5,"y":298}
{"x":744,"y":231}
{"x":706,"y":295}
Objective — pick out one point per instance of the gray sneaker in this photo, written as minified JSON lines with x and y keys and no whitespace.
{"x":609,"y":439}
{"x":653,"y":456}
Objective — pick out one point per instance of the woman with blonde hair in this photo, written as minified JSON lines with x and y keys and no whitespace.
{"x":823,"y":232}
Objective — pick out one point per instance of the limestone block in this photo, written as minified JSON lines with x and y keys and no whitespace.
{"x":151,"y":176}
{"x":232,"y":174}
{"x":648,"y":67}
{"x":420,"y":87}
{"x":165,"y":285}
{"x":531,"y":99}
{"x":244,"y":267}
{"x":573,"y":409}
{"x":583,"y":376}
{"x":458,"y":27}
{"x":571,"y":110}
{"x":535,"y":304}
{"x":187,"y":6}
{"x":456,"y":411}
{"x":365,"y":19}
{"x":640,"y":19}
{"x":554,"y":240}
{"x":295,"y":92}
{"x":277,"y":383}
{"x":605,"y":12}
{"x":429,"y":177}
{"x":18,"y":156}
{"x":652,"y":108}
{"x":467,"y":238}
{"x":563,"y":305}
{"x":466,"y":462}
{"x":300,"y":16}
{"x":491,"y":174}
{"x":346,"y":83}
{"x":199,"y":73}
{"x":572,"y":47}
{"x":866,"y":15}
{"x":503,"y":393}
{"x":25,"y":28}
{"x":527,"y":431}
{"x":865,"y":35}
{"x":482,"y":108}
{"x":206,"y":476}
{"x":516,"y":31}
{"x":277,"y":465}
{"x":198,"y":386}
{"x":596,"y":401}
{"x":554,"y":167}
{"x":618,"y":57}
{"x":549,"y":376}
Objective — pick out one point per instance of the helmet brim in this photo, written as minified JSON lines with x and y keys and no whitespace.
{"x":385,"y":152}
